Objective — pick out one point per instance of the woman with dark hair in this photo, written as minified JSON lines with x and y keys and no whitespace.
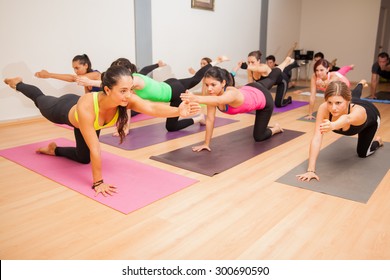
{"x":343,"y":112}
{"x":89,"y":113}
{"x":230,"y":100}
{"x":168,"y":91}
{"x":82,"y":66}
{"x":321,"y":78}
{"x":258,"y":71}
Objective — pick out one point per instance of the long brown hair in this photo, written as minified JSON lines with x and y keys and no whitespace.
{"x":109,"y":79}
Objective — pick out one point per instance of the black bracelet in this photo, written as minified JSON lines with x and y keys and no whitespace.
{"x":97,"y":183}
{"x":311,"y":171}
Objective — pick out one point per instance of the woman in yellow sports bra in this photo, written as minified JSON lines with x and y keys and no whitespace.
{"x":89,"y":113}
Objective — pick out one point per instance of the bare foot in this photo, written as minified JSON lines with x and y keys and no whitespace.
{"x":380,"y":141}
{"x":200,"y":119}
{"x":12,"y":82}
{"x":363,"y":82}
{"x":276,"y":129}
{"x":49,"y":150}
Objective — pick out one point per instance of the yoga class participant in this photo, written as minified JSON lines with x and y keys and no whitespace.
{"x":89,"y":113}
{"x":203,"y":62}
{"x":321,"y":78}
{"x":133,"y":68}
{"x":230,"y":100}
{"x":82,"y":66}
{"x":258,"y":71}
{"x":344,"y":113}
{"x":381,"y":68}
{"x":169,"y":91}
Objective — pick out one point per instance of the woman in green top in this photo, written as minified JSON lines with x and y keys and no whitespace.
{"x":167,"y":91}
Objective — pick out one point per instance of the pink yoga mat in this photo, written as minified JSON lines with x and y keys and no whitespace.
{"x":137,"y":184}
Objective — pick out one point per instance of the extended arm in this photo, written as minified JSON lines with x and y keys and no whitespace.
{"x":156,"y":109}
{"x":44,"y":74}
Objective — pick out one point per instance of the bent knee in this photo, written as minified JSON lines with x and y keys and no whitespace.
{"x":84,"y":160}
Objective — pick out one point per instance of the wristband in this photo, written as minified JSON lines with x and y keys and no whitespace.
{"x":97,"y":183}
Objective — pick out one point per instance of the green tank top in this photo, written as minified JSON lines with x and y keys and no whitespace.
{"x":154,"y":90}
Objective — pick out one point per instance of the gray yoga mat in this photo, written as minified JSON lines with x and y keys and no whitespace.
{"x":305,"y":120}
{"x":342,"y":173}
{"x":148,"y":135}
{"x":227,"y":151}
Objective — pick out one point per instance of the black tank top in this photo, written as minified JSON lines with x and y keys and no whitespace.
{"x":353,"y":129}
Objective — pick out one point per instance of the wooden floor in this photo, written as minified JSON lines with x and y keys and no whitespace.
{"x":241,"y":213}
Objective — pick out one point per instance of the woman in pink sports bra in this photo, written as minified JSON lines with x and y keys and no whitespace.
{"x":230,"y":100}
{"x":321,"y":79}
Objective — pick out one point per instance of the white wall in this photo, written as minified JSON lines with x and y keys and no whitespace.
{"x":182,"y":35}
{"x":345,"y":30}
{"x":47,"y":34}
{"x":284,"y":22}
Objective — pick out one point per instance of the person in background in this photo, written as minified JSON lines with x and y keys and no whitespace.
{"x":381,"y":68}
{"x":203,"y":62}
{"x":82,"y":66}
{"x":321,"y":78}
{"x":332,"y":64}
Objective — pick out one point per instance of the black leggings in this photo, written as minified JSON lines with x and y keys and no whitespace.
{"x":261,"y":131}
{"x":56,"y":110}
{"x":366,"y":144}
{"x":179,"y":87}
{"x":277,"y":77}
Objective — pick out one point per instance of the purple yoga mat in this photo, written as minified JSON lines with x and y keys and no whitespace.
{"x":136,"y":118}
{"x":137,"y":184}
{"x":145,"y":136}
{"x":227,"y":151}
{"x":293,"y":105}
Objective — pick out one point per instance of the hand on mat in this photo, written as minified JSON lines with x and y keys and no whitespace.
{"x":326,"y":126}
{"x":310,"y":117}
{"x":188,"y":109}
{"x":200,"y":148}
{"x":105,"y":189}
{"x":307,"y":176}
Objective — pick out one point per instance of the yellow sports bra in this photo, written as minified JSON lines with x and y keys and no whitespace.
{"x":96,"y":109}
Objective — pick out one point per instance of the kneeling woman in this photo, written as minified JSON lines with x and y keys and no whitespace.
{"x":345,"y":113}
{"x":89,"y":113}
{"x":230,"y":100}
